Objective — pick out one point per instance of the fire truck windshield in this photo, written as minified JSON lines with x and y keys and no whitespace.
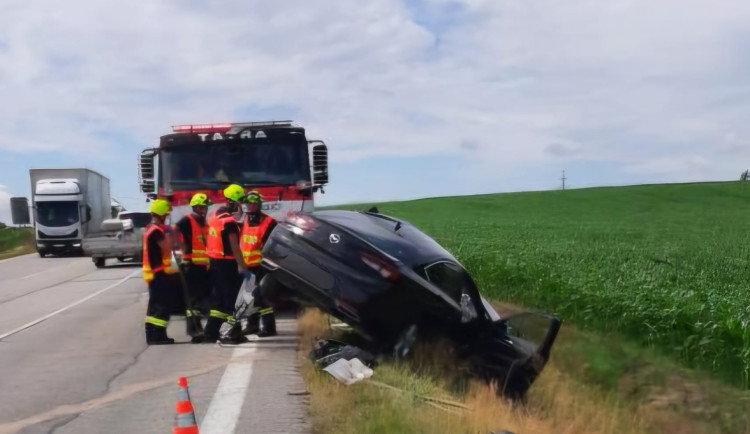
{"x":214,"y":165}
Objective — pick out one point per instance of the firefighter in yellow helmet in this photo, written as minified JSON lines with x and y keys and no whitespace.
{"x":255,"y":231}
{"x":227,"y":266}
{"x":163,"y":290}
{"x":193,"y":233}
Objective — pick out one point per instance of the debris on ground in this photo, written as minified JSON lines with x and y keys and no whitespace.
{"x":327,"y":351}
{"x":349,"y":371}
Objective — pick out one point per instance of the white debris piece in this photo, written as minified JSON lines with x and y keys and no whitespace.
{"x":349,"y":372}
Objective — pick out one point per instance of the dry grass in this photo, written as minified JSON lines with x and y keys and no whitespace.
{"x":558,"y":403}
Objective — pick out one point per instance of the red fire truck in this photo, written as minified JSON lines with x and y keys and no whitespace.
{"x":275,"y":158}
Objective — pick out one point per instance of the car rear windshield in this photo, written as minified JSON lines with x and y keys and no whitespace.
{"x":451,"y":278}
{"x":140,"y":220}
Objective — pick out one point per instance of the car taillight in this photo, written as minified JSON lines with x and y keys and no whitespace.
{"x":386,"y":268}
{"x":202,"y":128}
{"x":301,"y":221}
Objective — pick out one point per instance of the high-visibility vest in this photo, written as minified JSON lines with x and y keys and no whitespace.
{"x":251,"y":240}
{"x":166,"y":256}
{"x":215,"y":245}
{"x":199,"y":256}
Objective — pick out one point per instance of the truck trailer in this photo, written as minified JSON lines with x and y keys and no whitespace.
{"x":68,"y":205}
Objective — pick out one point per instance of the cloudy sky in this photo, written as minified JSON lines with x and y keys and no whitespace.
{"x":414,"y":98}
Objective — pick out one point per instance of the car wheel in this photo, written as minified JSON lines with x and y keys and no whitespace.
{"x":42,"y":253}
{"x":99,"y":262}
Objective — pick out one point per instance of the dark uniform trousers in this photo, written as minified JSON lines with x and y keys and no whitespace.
{"x":164,"y":297}
{"x":199,"y":286}
{"x":227,"y":281}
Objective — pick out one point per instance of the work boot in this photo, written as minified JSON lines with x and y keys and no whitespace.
{"x":211,"y":331}
{"x":253,"y":324}
{"x":193,"y":325}
{"x":231,"y":333}
{"x":267,"y":325}
{"x":156,"y":335}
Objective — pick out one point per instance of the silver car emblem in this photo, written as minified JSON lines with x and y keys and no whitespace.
{"x":334,"y":238}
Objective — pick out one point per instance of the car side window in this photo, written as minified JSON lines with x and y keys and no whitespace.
{"x":447,"y":277}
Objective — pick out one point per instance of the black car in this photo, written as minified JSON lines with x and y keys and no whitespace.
{"x":391,"y":283}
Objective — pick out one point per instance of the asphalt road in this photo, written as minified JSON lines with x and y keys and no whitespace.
{"x":73,"y":359}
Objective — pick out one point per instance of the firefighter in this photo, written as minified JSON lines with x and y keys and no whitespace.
{"x":193,"y":232}
{"x":163,"y":292}
{"x":226,"y":263}
{"x":255,"y":231}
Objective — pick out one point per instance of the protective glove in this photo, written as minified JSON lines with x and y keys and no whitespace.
{"x":248,"y":275}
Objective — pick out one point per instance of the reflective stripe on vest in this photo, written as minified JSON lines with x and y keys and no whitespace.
{"x":166,"y":256}
{"x":215,"y":245}
{"x":199,"y":254}
{"x":251,"y":240}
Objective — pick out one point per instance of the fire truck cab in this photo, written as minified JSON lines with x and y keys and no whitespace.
{"x":275,"y":158}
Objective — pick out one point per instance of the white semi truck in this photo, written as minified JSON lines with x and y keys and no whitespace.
{"x":68,"y":205}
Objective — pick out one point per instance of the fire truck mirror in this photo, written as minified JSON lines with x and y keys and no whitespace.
{"x":147,"y":171}
{"x":319,"y":163}
{"x":19,"y":211}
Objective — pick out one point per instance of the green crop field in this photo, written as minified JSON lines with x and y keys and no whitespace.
{"x":663,"y":265}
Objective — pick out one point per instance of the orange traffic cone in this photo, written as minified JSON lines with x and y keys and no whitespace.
{"x":184,"y":422}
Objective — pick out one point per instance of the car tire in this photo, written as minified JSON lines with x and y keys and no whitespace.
{"x":99,"y":262}
{"x":42,"y":253}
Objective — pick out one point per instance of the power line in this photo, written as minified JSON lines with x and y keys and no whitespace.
{"x":563,"y":180}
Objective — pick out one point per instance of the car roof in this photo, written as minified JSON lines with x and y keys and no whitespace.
{"x":407,"y":244}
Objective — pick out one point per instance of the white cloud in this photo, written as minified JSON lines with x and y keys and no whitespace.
{"x":690,"y":164}
{"x":513,"y":83}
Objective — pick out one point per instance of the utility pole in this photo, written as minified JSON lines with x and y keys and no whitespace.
{"x":563,"y":180}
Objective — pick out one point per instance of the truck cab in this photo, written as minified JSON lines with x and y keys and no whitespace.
{"x":68,"y":205}
{"x":275,"y":158}
{"x":60,"y":210}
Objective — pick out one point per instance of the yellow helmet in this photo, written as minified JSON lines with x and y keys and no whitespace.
{"x":254,"y":197}
{"x":160,"y":207}
{"x":234,"y":193}
{"x":199,"y":199}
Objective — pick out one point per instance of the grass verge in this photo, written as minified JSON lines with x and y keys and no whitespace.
{"x":593,"y":384}
{"x":664,"y":265}
{"x":16,"y":242}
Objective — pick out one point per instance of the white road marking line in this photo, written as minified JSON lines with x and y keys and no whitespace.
{"x":226,"y":405}
{"x":74,"y":304}
{"x":35,"y":274}
{"x":16,"y":257}
{"x":43,"y":272}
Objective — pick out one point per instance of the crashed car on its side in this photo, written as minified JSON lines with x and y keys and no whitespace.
{"x":392,"y":283}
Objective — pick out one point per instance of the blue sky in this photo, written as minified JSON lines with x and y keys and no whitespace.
{"x":414,"y":98}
